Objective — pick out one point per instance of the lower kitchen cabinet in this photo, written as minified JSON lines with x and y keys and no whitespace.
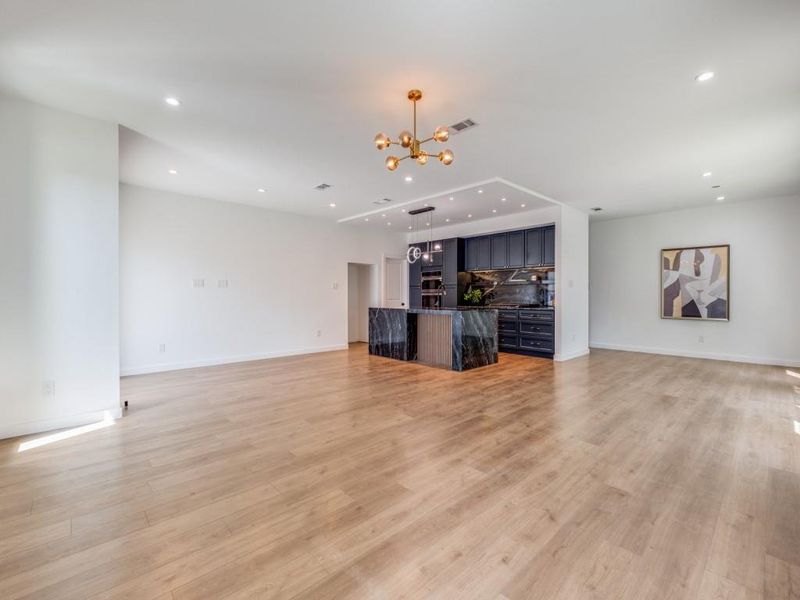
{"x":526,"y":331}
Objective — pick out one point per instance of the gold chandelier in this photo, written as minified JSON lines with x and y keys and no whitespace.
{"x":409,"y":140}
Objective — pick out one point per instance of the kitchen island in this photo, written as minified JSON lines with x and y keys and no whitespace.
{"x":454,"y":338}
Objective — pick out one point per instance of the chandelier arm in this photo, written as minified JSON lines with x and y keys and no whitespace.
{"x":426,"y":140}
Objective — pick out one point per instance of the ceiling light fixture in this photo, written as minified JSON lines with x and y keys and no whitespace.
{"x":469,"y":216}
{"x":705,"y":76}
{"x":173,"y":172}
{"x":261,"y":190}
{"x":522,"y":206}
{"x":408,"y":178}
{"x":366,"y":218}
{"x":416,"y":252}
{"x":707,"y":174}
{"x":408,"y":139}
{"x":502,"y":199}
{"x":720,"y":198}
{"x":451,"y":198}
{"x":172,"y":101}
{"x":494,"y":210}
{"x":447,"y":220}
{"x":332,"y":204}
{"x":480,"y":191}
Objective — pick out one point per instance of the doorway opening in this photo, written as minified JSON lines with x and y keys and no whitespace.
{"x":360,"y":296}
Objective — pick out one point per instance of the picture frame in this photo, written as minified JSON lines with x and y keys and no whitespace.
{"x":695,"y":283}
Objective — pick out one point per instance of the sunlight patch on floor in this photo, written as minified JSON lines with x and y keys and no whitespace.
{"x":67,"y":433}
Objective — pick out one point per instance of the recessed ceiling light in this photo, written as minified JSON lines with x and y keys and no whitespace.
{"x":408,"y":178}
{"x":410,"y":227}
{"x":480,"y":191}
{"x":720,"y":198}
{"x":261,"y":190}
{"x":705,"y":76}
{"x":172,"y":101}
{"x":332,"y":204}
{"x":522,"y":206}
{"x":366,"y":218}
{"x":707,"y":174}
{"x":402,"y":210}
{"x":447,"y":220}
{"x":425,"y":205}
{"x":427,"y":224}
{"x":494,"y":210}
{"x":469,"y":216}
{"x":383,"y":215}
{"x":451,"y":198}
{"x":173,"y":172}
{"x":388,"y":223}
{"x":502,"y":199}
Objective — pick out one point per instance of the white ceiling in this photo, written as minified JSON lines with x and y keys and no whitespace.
{"x":479,"y":200}
{"x":590,"y":103}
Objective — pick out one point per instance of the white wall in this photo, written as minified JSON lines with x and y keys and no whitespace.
{"x":286,"y":274}
{"x":58,"y":269}
{"x":764,"y":324}
{"x":572,"y":284}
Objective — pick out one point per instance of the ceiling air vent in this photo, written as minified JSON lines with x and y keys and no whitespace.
{"x":462,"y":126}
{"x":322,"y":186}
{"x":382,"y":201}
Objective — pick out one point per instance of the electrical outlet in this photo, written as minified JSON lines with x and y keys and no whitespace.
{"x":48,"y":388}
{"x":222,"y":283}
{"x":336,"y":285}
{"x":198,"y":283}
{"x":162,"y":348}
{"x":319,"y":333}
{"x":701,"y":339}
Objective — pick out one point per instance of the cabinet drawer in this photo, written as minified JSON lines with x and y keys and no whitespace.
{"x":510,"y":315}
{"x":537,"y":329}
{"x":529,"y":343}
{"x":536,"y":315}
{"x":507,"y":340}
{"x":507,"y":326}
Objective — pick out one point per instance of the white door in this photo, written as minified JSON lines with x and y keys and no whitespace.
{"x":394,"y":283}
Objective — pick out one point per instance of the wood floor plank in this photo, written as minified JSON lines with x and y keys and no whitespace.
{"x":616,"y":476}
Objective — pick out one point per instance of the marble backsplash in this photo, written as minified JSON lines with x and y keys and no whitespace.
{"x":534,"y":287}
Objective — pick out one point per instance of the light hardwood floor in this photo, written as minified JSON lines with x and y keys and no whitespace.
{"x":338,"y":475}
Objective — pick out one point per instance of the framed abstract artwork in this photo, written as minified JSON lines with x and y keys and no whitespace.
{"x":695,"y":283}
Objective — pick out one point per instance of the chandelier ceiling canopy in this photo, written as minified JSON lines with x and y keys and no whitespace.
{"x":408,"y":139}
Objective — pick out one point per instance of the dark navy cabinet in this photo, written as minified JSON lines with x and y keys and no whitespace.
{"x":526,"y":331}
{"x":453,"y":260}
{"x":516,"y":249}
{"x":499,"y":244}
{"x":415,"y":296}
{"x":478,"y":253}
{"x":549,"y":243}
{"x":534,"y":247}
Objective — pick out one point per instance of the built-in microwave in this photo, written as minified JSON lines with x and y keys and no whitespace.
{"x":432,"y":288}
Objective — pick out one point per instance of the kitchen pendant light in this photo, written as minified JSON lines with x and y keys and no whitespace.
{"x":408,"y":139}
{"x":427,"y":249}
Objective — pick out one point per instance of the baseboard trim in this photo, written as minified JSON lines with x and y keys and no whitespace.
{"x":32,"y":427}
{"x":740,"y":358}
{"x":570,"y":355}
{"x":225,"y":360}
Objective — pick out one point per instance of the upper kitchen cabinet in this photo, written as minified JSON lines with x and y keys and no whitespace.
{"x":453,"y":260}
{"x":540,"y":247}
{"x":516,"y":249}
{"x":499,"y":244}
{"x":478,"y":253}
{"x":534,"y":247}
{"x":549,"y":245}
